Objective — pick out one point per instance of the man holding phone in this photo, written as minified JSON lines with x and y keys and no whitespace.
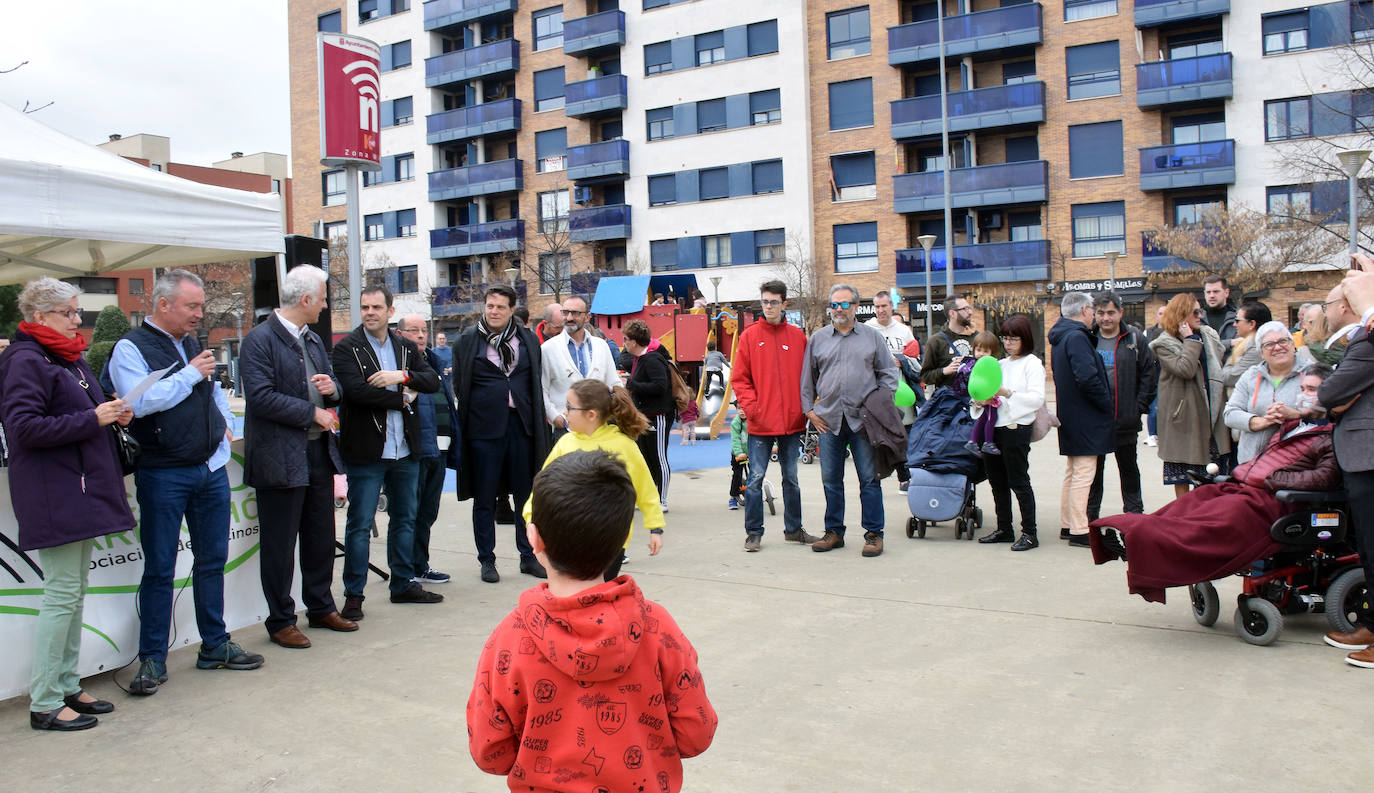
{"x":947,"y":347}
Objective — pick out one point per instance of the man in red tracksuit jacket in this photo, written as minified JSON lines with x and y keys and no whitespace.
{"x":766,"y":377}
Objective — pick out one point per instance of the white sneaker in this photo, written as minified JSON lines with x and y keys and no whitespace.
{"x":1153,"y":440}
{"x":664,"y":506}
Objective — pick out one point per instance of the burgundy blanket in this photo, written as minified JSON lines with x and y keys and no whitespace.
{"x":1209,"y":533}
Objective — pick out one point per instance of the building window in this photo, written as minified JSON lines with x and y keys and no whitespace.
{"x":394,"y":56}
{"x":715,"y":250}
{"x":367,"y":10}
{"x":853,"y":177}
{"x":710,"y":48}
{"x":1289,"y":201}
{"x":714,"y":183}
{"x":769,"y":246}
{"x":1190,"y":210}
{"x":548,"y":89}
{"x":336,"y":231}
{"x":846,"y":33}
{"x":851,"y":104}
{"x":660,"y":123}
{"x":548,"y":28}
{"x":276,"y":185}
{"x":402,"y":111}
{"x":856,"y":247}
{"x":405,"y":167}
{"x":1098,"y":228}
{"x":373,"y":228}
{"x":1093,"y":70}
{"x":767,"y":177}
{"x":1012,"y":73}
{"x":550,"y":150}
{"x":553,"y":211}
{"x":408,"y":279}
{"x":1193,"y":45}
{"x":1023,"y":149}
{"x":763,"y":37}
{"x":1075,"y":10}
{"x":765,"y":107}
{"x":1199,"y":128}
{"x":1362,"y":21}
{"x":331,"y":22}
{"x":658,"y":58}
{"x":136,"y":284}
{"x":1286,"y":32}
{"x":663,"y":254}
{"x":1288,"y":119}
{"x":1095,"y":150}
{"x":405,"y":223}
{"x":1025,"y":226}
{"x":335,"y":188}
{"x":662,"y":190}
{"x":555,"y":270}
{"x":710,"y":115}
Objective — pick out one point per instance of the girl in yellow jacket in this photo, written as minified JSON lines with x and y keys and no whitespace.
{"x":604,"y":419}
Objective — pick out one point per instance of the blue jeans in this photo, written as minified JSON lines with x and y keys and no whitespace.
{"x":760,"y":448}
{"x":1153,"y":421}
{"x":165,"y":496}
{"x":401,"y":478}
{"x":832,"y":450}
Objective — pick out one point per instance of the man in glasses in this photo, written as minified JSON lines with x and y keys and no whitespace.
{"x":844,"y":363}
{"x":947,"y":347}
{"x":573,"y":354}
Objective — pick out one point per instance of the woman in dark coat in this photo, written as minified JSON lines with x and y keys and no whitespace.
{"x":652,"y":388}
{"x":66,"y":486}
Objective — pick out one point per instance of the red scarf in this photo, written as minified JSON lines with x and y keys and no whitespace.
{"x":65,"y":348}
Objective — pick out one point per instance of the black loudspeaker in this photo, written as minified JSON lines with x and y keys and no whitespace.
{"x":299,"y":250}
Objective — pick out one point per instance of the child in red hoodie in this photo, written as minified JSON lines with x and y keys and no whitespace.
{"x":586,"y":685}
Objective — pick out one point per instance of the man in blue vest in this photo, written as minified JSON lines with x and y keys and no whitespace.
{"x":183,"y":424}
{"x":437,"y":453}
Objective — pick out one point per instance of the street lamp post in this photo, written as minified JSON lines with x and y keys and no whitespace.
{"x":1111,"y":269}
{"x":927,"y":242}
{"x":1351,"y":162}
{"x":715,"y":285}
{"x":944,"y":168}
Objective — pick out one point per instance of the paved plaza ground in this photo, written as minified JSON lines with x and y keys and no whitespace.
{"x":942,"y":665}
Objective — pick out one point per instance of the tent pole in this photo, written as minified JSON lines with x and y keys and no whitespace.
{"x":355,"y":246}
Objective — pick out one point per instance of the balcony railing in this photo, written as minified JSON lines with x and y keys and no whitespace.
{"x":982,"y":108}
{"x":1205,"y":77}
{"x":986,"y":263}
{"x":473,"y":121}
{"x":483,"y":61}
{"x":599,"y":223}
{"x":594,"y":32}
{"x":441,"y":14}
{"x":1149,"y":13}
{"x":1154,"y":259}
{"x":609,"y":158}
{"x":1188,"y":165}
{"x":965,"y":34}
{"x":986,"y":185}
{"x":493,"y":237}
{"x":501,"y":176}
{"x":603,"y":94}
{"x":459,"y":299}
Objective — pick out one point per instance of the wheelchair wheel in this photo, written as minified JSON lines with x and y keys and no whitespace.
{"x":1258,"y":621}
{"x":1343,"y":599}
{"x":1206,"y":604}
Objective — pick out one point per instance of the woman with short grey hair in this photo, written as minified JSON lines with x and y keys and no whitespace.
{"x":1267,"y":392}
{"x":44,"y":295}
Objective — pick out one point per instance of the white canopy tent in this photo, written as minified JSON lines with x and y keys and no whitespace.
{"x":71,"y":209}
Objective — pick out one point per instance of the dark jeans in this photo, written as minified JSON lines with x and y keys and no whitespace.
{"x":365,"y":483}
{"x":428,"y":491}
{"x":1152,"y":422}
{"x":1129,"y":469}
{"x":1359,"y":485}
{"x":833,"y":446}
{"x":505,"y":468}
{"x":760,"y":449}
{"x":1009,"y":472}
{"x":164,"y":496}
{"x":284,"y":514}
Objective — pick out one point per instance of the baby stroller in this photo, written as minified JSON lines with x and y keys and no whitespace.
{"x":943,"y":471}
{"x":810,"y":444}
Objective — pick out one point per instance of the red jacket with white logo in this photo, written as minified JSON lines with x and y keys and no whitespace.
{"x":766,"y":376}
{"x":594,"y":693}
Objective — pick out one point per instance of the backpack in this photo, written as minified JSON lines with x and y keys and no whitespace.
{"x":682,"y":394}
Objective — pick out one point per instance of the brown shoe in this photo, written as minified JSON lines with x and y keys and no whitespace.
{"x":829,"y":542}
{"x":873,"y":544}
{"x":1358,"y":639}
{"x":291,"y":638}
{"x":800,"y":536}
{"x":334,"y":622}
{"x":1364,"y":658}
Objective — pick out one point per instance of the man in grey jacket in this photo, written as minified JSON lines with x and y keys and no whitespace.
{"x":844,"y":363}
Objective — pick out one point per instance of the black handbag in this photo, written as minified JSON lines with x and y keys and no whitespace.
{"x":128,"y":447}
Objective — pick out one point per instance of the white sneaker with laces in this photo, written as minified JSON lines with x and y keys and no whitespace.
{"x":1153,"y":440}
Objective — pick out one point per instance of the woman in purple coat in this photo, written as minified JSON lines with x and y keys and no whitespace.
{"x":66,"y":486}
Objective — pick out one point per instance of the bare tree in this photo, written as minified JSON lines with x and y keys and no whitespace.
{"x":228,"y":294}
{"x":807,"y":282}
{"x":549,"y":263}
{"x":25,"y":108}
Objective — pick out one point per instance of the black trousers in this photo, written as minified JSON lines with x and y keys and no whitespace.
{"x":653,"y":444}
{"x":1359,"y":485}
{"x":307,"y":513}
{"x":1009,"y":472}
{"x":504,"y":468}
{"x":1129,"y":469}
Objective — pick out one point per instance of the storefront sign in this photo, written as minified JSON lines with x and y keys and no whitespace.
{"x":1100,"y":286}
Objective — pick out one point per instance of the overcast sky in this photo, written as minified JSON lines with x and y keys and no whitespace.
{"x":210,"y":76}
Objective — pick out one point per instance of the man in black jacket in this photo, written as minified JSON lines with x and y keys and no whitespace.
{"x":291,"y":456}
{"x":1087,"y":429}
{"x":379,"y":438}
{"x":496,"y":377}
{"x":1133,"y":378}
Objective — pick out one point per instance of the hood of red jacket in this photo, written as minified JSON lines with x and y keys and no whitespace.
{"x":593,"y":635}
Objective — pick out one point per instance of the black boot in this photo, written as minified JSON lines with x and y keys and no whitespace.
{"x":1026,"y":541}
{"x":998,"y":535}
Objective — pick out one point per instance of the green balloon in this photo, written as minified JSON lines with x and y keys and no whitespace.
{"x":985,"y":380}
{"x":905,"y":397}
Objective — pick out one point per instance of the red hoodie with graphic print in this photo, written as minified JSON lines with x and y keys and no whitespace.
{"x":597,"y":692}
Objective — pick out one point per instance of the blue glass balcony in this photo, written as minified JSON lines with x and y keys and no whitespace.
{"x":986,"y":185}
{"x":494,"y":237}
{"x":440,"y":14}
{"x":473,"y":121}
{"x":965,"y":34}
{"x":606,"y":94}
{"x":1188,"y":165}
{"x":497,"y":57}
{"x":1149,"y":13}
{"x":595,"y":32}
{"x":460,"y":299}
{"x":1183,"y":80}
{"x":1154,"y":259}
{"x":599,"y":223}
{"x":988,"y":263}
{"x":982,"y":108}
{"x":501,"y":176}
{"x":609,"y":159}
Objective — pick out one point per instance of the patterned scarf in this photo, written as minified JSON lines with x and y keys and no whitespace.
{"x":503,"y":340}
